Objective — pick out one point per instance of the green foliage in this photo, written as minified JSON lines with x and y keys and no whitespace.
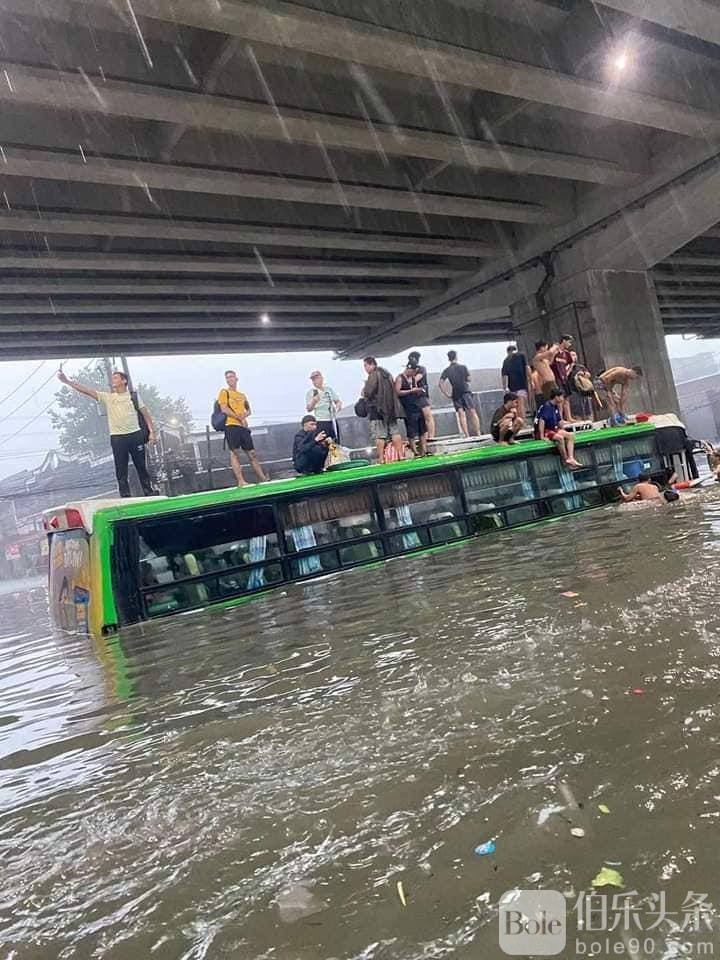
{"x":82,"y":426}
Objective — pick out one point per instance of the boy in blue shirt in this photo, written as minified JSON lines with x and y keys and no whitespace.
{"x":549,"y":425}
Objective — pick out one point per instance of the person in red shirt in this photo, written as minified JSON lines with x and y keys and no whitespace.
{"x":560,"y":366}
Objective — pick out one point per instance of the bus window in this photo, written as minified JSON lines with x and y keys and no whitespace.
{"x":497,"y":484}
{"x":189,"y":546}
{"x":417,"y":501}
{"x":332,"y":518}
{"x":206,"y":545}
{"x":69,"y":583}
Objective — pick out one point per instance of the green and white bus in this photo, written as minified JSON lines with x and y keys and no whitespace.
{"x":118,"y":562}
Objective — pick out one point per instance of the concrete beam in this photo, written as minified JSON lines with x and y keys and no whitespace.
{"x":120,"y":340}
{"x":84,"y":225}
{"x":682,"y":277}
{"x":330,"y":327}
{"x":691,"y":261}
{"x":128,"y":263}
{"x":38,"y":86}
{"x":209,"y":307}
{"x":667,"y":305}
{"x":180,"y":288}
{"x":339,"y":38}
{"x":52,"y":165}
{"x":697,"y":18}
{"x":666,"y":291}
{"x":60,"y":350}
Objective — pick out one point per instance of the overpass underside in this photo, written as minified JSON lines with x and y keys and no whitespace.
{"x":184,"y":177}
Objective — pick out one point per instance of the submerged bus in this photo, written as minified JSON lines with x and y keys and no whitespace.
{"x":118,"y":562}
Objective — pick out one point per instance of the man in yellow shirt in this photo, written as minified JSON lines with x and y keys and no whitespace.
{"x":236,"y":408}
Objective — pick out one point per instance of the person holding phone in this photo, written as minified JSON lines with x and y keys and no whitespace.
{"x":310,"y":446}
{"x":324,"y":404}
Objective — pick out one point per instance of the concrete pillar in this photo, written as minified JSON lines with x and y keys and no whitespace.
{"x":615,"y":320}
{"x":529,"y":325}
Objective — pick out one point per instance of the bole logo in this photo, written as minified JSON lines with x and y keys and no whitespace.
{"x":532,"y":922}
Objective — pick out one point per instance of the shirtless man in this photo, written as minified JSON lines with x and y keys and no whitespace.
{"x":613,"y":377}
{"x":544,"y":381}
{"x":643,"y":490}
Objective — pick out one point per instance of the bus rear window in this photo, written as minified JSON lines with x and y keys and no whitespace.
{"x":69,"y":583}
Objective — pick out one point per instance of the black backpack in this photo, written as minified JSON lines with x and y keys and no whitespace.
{"x":142,"y":423}
{"x":217,"y":417}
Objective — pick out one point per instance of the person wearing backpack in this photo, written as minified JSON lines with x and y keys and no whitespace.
{"x":234,"y":406}
{"x":383,"y":410}
{"x":131,"y":428}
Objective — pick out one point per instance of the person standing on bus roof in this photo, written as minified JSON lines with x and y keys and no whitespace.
{"x":384,"y":409}
{"x":236,"y":408}
{"x":127,"y":440}
{"x":516,"y":378}
{"x":424,"y":398}
{"x":324,"y":404}
{"x":458,"y":376}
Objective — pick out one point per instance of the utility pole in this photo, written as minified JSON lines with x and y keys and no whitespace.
{"x":126,"y":371}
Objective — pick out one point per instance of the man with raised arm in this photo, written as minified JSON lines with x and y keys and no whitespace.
{"x":127,"y":438}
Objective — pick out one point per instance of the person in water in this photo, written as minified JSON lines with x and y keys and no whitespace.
{"x":644,"y":489}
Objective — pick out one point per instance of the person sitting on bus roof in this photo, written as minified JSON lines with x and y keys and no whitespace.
{"x":549,"y":425}
{"x":506,"y":422}
{"x":310,"y":447}
{"x":644,"y":489}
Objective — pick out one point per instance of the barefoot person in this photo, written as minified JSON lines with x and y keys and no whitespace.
{"x":606,"y":383}
{"x":506,"y":422}
{"x":236,"y":408}
{"x":549,"y":425}
{"x":541,"y":364}
{"x":127,"y":438}
{"x":458,"y":376}
{"x":424,"y":398}
{"x":516,"y":378}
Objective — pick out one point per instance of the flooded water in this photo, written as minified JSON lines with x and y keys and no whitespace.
{"x":254,"y":783}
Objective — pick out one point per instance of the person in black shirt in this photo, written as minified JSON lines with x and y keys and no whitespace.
{"x":516,"y":377}
{"x":458,"y":376}
{"x":310,"y":447}
{"x":409,"y":390}
{"x":423,"y":398}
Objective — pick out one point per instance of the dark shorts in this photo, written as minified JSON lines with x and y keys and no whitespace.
{"x":423,"y":402}
{"x":238,"y":438}
{"x":415,"y":424}
{"x":465,"y":401}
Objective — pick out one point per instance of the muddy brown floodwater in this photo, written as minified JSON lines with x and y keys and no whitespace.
{"x":254,"y":783}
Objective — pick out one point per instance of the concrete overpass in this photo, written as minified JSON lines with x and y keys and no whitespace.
{"x":185,"y":176}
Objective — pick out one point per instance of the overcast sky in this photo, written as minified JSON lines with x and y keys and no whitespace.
{"x":275,"y":384}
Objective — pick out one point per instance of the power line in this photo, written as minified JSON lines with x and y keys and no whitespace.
{"x":20,"y":385}
{"x":25,"y":402}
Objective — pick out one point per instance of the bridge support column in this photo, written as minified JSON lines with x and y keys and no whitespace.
{"x":615,"y":319}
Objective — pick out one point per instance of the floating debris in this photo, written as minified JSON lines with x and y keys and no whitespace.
{"x":603,"y":808}
{"x":608,"y":878}
{"x":485,"y":849}
{"x":568,"y":796}
{"x":296,"y":902}
{"x":401,"y":893}
{"x":637,"y":691}
{"x":577,"y":832}
{"x":547,"y":812}
{"x":570,"y":594}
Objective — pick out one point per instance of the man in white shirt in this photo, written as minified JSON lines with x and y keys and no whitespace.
{"x":322,"y":401}
{"x":127,"y":438}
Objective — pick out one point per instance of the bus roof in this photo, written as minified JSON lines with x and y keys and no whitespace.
{"x":144,"y":507}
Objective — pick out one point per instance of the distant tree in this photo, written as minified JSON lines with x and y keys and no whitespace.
{"x":82,"y":426}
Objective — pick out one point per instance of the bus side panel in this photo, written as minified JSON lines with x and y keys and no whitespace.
{"x":70,"y":585}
